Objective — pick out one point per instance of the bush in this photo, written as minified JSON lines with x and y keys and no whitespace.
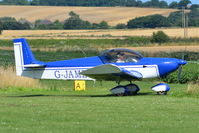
{"x":190,"y":73}
{"x":138,"y":41}
{"x":160,"y":37}
{"x":120,"y":26}
{"x":193,"y":88}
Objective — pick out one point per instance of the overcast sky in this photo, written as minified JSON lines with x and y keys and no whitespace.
{"x":169,"y":1}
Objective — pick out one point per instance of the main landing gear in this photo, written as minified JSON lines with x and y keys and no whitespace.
{"x":127,"y":90}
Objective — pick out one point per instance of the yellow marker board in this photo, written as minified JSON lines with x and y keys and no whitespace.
{"x":80,"y":85}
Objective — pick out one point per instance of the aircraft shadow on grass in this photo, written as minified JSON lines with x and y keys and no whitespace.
{"x":92,"y":96}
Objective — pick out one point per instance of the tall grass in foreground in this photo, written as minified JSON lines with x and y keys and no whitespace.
{"x":193,"y":88}
{"x":8,"y":79}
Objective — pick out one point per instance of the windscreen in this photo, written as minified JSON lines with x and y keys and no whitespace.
{"x":120,"y":56}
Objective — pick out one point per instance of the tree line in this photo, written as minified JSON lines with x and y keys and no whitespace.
{"x":128,"y":3}
{"x":75,"y":22}
{"x":173,"y":20}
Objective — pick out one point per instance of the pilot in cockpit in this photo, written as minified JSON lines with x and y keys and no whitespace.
{"x":120,"y":58}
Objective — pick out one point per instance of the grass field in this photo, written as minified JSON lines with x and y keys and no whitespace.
{"x":36,"y":110}
{"x":93,"y":34}
{"x":92,"y":14}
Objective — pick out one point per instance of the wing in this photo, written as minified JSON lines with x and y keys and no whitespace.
{"x":111,"y":72}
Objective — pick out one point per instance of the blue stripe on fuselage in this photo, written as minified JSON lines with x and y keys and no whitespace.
{"x":165,"y":65}
{"x":81,"y":62}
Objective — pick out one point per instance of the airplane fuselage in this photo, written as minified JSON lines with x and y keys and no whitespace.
{"x":66,"y":71}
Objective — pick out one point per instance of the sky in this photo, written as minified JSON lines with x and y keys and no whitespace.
{"x":169,"y":1}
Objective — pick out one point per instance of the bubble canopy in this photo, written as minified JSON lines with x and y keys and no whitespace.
{"x":120,"y":55}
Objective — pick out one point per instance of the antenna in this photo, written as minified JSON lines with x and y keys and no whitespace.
{"x":185,"y":22}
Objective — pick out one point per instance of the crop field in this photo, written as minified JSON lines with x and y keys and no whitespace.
{"x":93,"y":34}
{"x":86,"y":46}
{"x":92,"y":14}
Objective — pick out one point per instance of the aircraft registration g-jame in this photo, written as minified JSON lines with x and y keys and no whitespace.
{"x":112,"y":65}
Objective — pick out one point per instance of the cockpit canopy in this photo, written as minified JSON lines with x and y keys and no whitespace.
{"x":120,"y":55}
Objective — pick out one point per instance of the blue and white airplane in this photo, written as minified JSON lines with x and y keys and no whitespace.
{"x":112,"y":65}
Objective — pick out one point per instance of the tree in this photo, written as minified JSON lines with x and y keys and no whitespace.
{"x":74,"y":22}
{"x":9,"y":23}
{"x":120,"y":26}
{"x":154,"y":3}
{"x":103,"y":25}
{"x":15,"y":2}
{"x":160,"y":37}
{"x":175,"y":19}
{"x":135,"y":3}
{"x":173,"y":4}
{"x":58,"y":25}
{"x":194,"y":16}
{"x":1,"y":28}
{"x":22,"y":2}
{"x":163,"y":4}
{"x":73,"y":14}
{"x":184,"y":3}
{"x":194,"y":6}
{"x":35,"y":2}
{"x":151,"y":21}
{"x":48,"y":25}
{"x":26,"y":24}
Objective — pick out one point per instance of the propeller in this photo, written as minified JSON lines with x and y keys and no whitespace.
{"x":181,"y":63}
{"x":179,"y":72}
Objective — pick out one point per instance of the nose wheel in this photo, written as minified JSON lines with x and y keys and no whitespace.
{"x":161,"y":88}
{"x":162,"y":93}
{"x":127,"y":90}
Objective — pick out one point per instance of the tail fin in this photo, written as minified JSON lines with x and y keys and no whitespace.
{"x":24,"y":57}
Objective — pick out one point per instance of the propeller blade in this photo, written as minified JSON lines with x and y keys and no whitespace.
{"x":183,"y":56}
{"x":179,"y":72}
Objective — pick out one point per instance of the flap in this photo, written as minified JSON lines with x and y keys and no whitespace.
{"x":111,"y":72}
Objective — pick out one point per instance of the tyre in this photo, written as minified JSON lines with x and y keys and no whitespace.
{"x":131,"y":89}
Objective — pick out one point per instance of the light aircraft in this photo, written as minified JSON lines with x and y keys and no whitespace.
{"x":112,"y":65}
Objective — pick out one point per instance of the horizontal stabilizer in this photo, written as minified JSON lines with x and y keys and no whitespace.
{"x":102,"y":69}
{"x":34,"y":65}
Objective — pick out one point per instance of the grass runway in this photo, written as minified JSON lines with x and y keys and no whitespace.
{"x":56,"y":108}
{"x":43,"y":110}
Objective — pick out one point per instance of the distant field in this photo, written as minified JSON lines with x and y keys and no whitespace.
{"x":92,"y":14}
{"x":110,"y":33}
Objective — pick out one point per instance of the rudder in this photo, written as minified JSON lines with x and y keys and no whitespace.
{"x":23,"y":55}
